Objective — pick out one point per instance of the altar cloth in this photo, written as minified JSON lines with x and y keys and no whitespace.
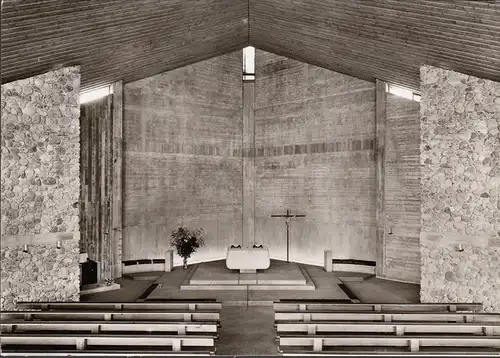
{"x":248,"y":259}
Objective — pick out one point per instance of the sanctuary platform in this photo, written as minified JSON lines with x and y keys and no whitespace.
{"x":326,"y":286}
{"x":279,"y":276}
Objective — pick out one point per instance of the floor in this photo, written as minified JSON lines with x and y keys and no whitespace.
{"x":327,"y":287}
{"x":247,"y":326}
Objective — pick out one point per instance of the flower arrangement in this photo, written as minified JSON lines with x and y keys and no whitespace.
{"x":186,"y":242}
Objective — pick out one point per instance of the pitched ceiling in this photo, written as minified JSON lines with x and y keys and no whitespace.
{"x":117,"y":39}
{"x":129,"y":40}
{"x":385,"y":39}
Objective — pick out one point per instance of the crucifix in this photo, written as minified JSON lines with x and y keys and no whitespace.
{"x":287,"y":217}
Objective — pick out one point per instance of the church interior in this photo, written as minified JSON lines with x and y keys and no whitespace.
{"x":250,"y":177}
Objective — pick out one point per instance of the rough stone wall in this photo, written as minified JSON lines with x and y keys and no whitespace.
{"x":460,"y":157}
{"x":40,"y":184}
{"x":44,"y":273}
{"x":402,"y":189}
{"x":182,"y":158}
{"x":315,"y":133}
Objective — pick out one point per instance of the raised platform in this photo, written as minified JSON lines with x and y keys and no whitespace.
{"x":279,"y":276}
{"x":98,"y":287}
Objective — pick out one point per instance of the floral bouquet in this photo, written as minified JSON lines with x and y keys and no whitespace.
{"x":186,"y":242}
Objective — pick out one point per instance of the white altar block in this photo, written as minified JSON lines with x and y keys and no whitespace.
{"x":248,"y":259}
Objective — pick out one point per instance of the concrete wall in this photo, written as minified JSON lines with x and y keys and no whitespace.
{"x":40,"y":187}
{"x":182,"y":158}
{"x":314,"y":143}
{"x":460,"y":157}
{"x":402,"y":190}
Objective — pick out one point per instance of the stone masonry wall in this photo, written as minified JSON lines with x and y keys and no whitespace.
{"x":315,"y":133}
{"x":44,"y":273}
{"x":182,"y":158}
{"x":460,"y":157}
{"x":40,"y":185}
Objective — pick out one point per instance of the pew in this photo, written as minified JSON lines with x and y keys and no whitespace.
{"x":386,"y":328}
{"x":138,"y":328}
{"x":195,"y":305}
{"x":88,"y":343}
{"x":313,"y":305}
{"x":321,"y":327}
{"x":370,"y":343}
{"x":318,"y":316}
{"x":111,"y":315}
{"x":99,"y":328}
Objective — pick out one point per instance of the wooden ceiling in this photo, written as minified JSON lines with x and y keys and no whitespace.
{"x":385,"y":39}
{"x":368,"y":39}
{"x":117,"y":39}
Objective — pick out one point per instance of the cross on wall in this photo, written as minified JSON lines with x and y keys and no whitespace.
{"x":288,"y":217}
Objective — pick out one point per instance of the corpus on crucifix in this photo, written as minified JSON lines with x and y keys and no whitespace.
{"x":287,"y":217}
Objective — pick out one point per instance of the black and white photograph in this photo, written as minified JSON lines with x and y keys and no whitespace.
{"x":243,"y":178}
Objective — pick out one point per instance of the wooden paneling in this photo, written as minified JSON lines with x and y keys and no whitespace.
{"x":117,"y":179}
{"x":114,"y":40}
{"x":380,"y":133}
{"x":385,"y":39}
{"x":402,"y":190}
{"x":96,"y":182}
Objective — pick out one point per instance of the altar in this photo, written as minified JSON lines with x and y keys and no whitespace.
{"x":248,"y":259}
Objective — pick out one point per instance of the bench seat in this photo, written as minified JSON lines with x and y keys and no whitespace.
{"x":317,"y":316}
{"x":318,"y":343}
{"x":406,"y":329}
{"x":312,"y":305}
{"x":15,"y":342}
{"x":110,"y":315}
{"x":101,"y":353}
{"x":134,"y":306}
{"x":120,"y":327}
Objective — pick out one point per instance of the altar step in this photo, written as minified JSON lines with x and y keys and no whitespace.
{"x":249,"y":280}
{"x":305,"y":287}
{"x":280,"y":276}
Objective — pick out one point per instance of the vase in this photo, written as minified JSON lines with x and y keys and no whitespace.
{"x":185,"y":263}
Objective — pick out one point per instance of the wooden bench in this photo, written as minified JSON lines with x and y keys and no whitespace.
{"x":194,"y":305}
{"x":317,"y":316}
{"x":398,"y":329}
{"x":139,"y":327}
{"x":283,"y":306}
{"x":111,"y":315}
{"x":103,"y":353}
{"x":329,"y":344}
{"x":79,"y":342}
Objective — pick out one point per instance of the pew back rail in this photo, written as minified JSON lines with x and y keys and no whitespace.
{"x":399,"y":329}
{"x":82,"y":341}
{"x":181,"y":315}
{"x":180,"y":328}
{"x":413,"y":344}
{"x":132,"y":306}
{"x":366,"y":307}
{"x":294,"y":316}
